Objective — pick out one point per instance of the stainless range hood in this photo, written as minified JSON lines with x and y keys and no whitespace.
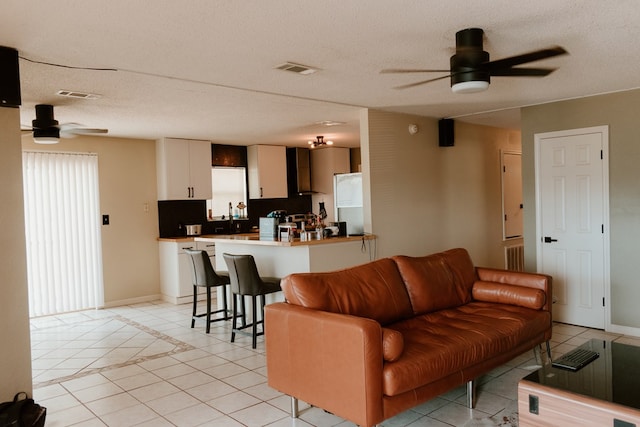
{"x":298,"y":171}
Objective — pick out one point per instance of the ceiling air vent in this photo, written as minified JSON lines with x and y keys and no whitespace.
{"x":74,"y":94}
{"x":296,"y":68}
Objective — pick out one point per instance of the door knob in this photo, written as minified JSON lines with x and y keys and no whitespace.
{"x":548,"y":239}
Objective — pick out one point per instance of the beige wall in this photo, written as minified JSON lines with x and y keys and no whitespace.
{"x":421,"y":198}
{"x":15,"y":351}
{"x":127,"y":170}
{"x":620,"y":112}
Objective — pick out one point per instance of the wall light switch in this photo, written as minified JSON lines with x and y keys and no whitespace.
{"x":105,"y":219}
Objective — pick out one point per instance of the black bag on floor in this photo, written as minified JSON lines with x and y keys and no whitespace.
{"x":22,"y":412}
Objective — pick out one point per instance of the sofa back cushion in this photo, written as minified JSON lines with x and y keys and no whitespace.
{"x":374,"y":290}
{"x":438,"y":281}
{"x":504,"y":293}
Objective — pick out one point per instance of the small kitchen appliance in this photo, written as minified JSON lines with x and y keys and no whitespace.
{"x":193,"y":229}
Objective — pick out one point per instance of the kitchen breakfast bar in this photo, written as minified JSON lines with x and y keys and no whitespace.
{"x":273,"y":257}
{"x":279,"y":258}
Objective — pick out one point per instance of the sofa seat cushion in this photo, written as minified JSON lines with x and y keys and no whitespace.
{"x":437,"y":281}
{"x":374,"y":290}
{"x":445,"y":342}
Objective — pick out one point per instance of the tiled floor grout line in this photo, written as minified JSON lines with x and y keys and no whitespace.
{"x":180,"y":347}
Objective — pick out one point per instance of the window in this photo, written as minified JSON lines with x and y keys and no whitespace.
{"x":229,"y":185}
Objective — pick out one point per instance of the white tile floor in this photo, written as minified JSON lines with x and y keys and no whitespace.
{"x":142,"y":365}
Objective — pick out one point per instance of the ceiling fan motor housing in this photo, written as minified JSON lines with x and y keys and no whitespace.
{"x":467,"y":65}
{"x":44,"y":117}
{"x":50,"y":132}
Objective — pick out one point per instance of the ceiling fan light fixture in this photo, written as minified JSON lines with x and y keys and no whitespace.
{"x":470,"y":86}
{"x":50,"y":135}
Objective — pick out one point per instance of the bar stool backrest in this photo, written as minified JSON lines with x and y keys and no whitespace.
{"x":203,"y":273}
{"x":243,"y":274}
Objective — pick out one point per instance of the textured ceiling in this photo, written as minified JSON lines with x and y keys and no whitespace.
{"x":206,"y":68}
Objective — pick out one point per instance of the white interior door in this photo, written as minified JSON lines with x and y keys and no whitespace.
{"x":572,"y":209}
{"x":512,"y":195}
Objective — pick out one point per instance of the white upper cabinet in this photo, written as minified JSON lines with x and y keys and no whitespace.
{"x":184,"y":169}
{"x":267,"y":171}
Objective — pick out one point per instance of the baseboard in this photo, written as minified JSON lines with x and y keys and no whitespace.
{"x":626,"y":330}
{"x":130,"y":301}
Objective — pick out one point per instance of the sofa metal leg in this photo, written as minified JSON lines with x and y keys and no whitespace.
{"x":471,"y":394}
{"x":537,"y":354}
{"x":294,"y":407}
{"x":548,"y":351}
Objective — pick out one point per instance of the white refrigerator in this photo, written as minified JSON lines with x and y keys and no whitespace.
{"x":347,"y":193}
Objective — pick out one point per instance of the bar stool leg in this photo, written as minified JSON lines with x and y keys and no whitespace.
{"x":254,"y":327}
{"x":193,"y":311}
{"x":208,"y":308}
{"x":235,"y":316}
{"x":224,"y":304}
{"x":244,"y":311}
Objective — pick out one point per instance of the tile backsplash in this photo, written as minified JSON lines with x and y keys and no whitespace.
{"x":173,"y":215}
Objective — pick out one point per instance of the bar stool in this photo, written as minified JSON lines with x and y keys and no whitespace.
{"x":203,"y":275}
{"x":245,"y":281}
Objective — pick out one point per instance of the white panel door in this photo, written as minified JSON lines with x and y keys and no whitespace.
{"x":572,"y":218}
{"x":512,"y":194}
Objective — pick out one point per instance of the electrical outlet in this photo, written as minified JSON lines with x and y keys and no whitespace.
{"x":105,"y":219}
{"x":533,"y":404}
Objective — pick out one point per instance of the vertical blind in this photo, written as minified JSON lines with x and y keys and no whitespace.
{"x":64,"y":254}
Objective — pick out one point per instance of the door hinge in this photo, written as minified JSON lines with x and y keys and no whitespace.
{"x":601,"y":154}
{"x":602,"y":228}
{"x":603,"y":301}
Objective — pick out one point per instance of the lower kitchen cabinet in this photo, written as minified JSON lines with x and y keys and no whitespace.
{"x":176,"y":269}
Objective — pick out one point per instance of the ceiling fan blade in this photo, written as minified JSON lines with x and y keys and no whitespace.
{"x":83,"y":131}
{"x":401,"y":70}
{"x":532,"y":72}
{"x":525,"y":57}
{"x":421,"y":82}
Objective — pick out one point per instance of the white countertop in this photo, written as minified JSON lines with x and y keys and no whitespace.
{"x":254,"y":239}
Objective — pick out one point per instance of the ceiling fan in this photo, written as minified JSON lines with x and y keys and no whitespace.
{"x":46,"y":129}
{"x":471,"y":70}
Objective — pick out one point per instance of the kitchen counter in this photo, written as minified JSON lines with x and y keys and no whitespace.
{"x":175,"y":239}
{"x":254,"y":239}
{"x":192,"y":238}
{"x":277,"y":259}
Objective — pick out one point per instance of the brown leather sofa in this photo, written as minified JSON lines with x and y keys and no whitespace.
{"x":369,"y":342}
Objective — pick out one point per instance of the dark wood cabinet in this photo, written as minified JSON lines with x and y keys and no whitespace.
{"x":228,"y":155}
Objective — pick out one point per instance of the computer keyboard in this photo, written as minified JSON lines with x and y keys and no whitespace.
{"x":575,"y":359}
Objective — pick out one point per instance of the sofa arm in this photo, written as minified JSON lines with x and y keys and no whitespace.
{"x":542,"y":282}
{"x":329,"y":360}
